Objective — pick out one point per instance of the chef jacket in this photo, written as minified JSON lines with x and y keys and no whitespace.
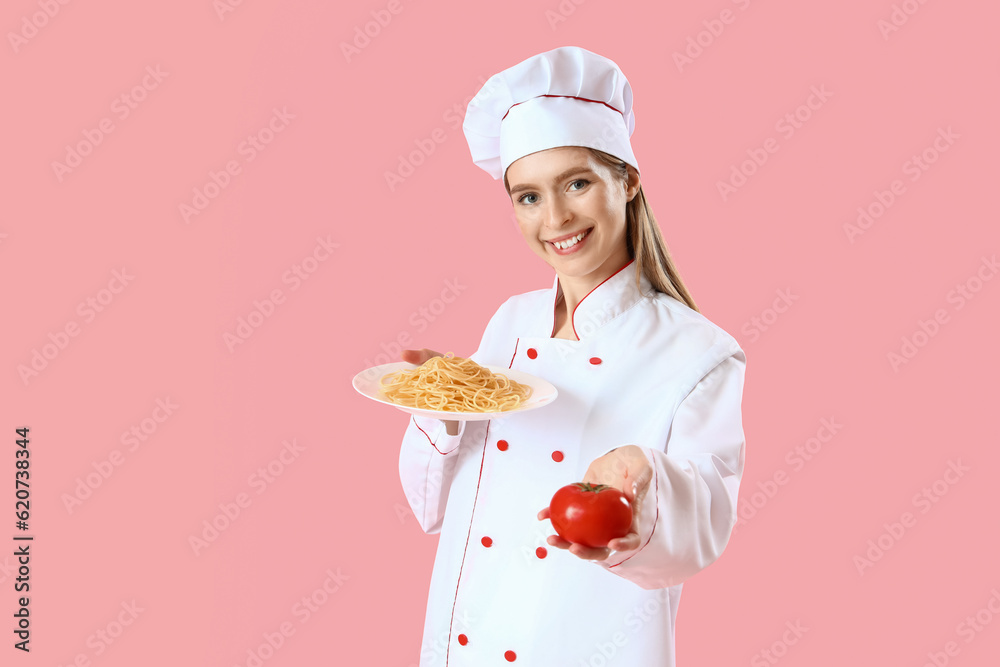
{"x":647,"y":370}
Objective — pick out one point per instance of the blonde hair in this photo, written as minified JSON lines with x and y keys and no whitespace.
{"x":645,"y":242}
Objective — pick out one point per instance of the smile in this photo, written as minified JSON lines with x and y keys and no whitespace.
{"x":570,"y":242}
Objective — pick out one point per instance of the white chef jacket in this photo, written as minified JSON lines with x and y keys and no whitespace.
{"x":647,"y":370}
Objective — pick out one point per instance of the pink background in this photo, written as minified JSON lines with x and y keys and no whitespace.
{"x":336,"y":504}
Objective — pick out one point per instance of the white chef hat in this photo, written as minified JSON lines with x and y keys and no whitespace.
{"x":564,"y":97}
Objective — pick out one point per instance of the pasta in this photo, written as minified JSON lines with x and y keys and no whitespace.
{"x":453,"y":384}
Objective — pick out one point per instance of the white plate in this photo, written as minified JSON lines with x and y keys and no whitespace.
{"x":542,"y":393}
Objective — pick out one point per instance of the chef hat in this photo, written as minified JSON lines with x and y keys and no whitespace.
{"x":564,"y":97}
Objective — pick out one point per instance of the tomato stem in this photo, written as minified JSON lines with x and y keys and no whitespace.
{"x":587,"y":486}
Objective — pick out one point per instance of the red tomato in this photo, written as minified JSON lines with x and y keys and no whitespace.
{"x":590,"y":514}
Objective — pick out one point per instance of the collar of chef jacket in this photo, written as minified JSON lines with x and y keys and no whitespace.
{"x":612,"y":297}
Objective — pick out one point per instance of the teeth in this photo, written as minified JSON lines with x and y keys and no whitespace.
{"x":569,"y":243}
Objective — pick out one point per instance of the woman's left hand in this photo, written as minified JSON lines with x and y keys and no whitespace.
{"x":627,"y":470}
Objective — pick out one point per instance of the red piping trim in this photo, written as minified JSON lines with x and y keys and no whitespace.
{"x":511,"y":364}
{"x":451,"y":623}
{"x":429,"y":439}
{"x":583,"y":99}
{"x":572,"y":317}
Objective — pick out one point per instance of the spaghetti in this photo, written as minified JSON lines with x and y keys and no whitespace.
{"x":453,"y":384}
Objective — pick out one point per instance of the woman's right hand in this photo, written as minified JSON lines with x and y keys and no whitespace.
{"x":418,"y":357}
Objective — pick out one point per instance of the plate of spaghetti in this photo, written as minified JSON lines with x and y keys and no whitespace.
{"x":457,"y":388}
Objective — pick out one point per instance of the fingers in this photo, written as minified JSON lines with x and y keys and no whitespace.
{"x":588,"y":553}
{"x":627,"y":543}
{"x":581,"y":551}
{"x":556,"y":541}
{"x":575,"y":549}
{"x":418,"y":357}
{"x":642,"y":481}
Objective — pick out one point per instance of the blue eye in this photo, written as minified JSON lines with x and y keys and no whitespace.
{"x":523,"y":198}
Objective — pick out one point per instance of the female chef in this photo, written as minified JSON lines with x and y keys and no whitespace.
{"x":649,"y":401}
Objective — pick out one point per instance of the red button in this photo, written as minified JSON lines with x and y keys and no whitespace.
{"x":487,"y":542}
{"x":510,"y":655}
{"x":463,"y":640}
{"x":502,"y":445}
{"x":532,"y":353}
{"x":541,"y":552}
{"x":557,"y":456}
{"x":595,"y":360}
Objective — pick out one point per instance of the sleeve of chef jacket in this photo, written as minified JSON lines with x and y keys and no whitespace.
{"x":428,"y":456}
{"x":688,"y":512}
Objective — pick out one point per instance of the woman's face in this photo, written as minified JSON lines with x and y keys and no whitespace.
{"x":559,"y":194}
